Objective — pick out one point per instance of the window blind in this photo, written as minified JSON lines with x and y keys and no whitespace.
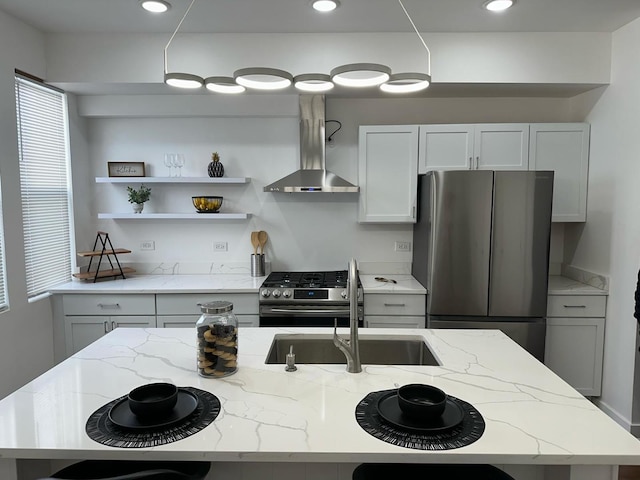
{"x":4,"y":299}
{"x":44,"y":184}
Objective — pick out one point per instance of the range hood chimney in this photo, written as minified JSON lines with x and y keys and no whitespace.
{"x":312,"y":177}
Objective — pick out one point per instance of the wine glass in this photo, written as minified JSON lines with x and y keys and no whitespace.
{"x":178,"y":162}
{"x":169,"y":162}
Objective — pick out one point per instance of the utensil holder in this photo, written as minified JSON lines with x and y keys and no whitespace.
{"x":257,"y":265}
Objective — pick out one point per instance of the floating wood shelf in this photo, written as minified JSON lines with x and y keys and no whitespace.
{"x":105,"y":253}
{"x":96,"y":253}
{"x":175,"y":216}
{"x":200,"y":180}
{"x":114,"y":272}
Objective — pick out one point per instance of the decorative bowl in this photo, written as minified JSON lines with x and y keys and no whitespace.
{"x":207,"y":204}
{"x":153,"y":400}
{"x":423,"y":402}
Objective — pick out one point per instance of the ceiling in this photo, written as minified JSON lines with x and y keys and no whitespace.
{"x":296,"y":16}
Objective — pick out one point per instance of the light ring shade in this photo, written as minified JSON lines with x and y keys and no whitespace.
{"x":223,"y":85}
{"x":313,"y":82}
{"x":360,"y":74}
{"x":183,"y":80}
{"x":263,"y":78}
{"x":406,"y":83}
{"x":155,"y":6}
{"x":325,"y":5}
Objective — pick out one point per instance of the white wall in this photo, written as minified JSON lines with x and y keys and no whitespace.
{"x":307,"y":231}
{"x":26,"y":349}
{"x":609,"y":243}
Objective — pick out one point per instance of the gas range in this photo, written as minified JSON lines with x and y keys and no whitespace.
{"x":306,"y":287}
{"x":310,"y":299}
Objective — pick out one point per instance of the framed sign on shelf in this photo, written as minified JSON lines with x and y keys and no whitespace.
{"x":126,"y":169}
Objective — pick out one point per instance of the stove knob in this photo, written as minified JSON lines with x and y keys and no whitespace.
{"x":343,"y":294}
{"x":276,"y":293}
{"x":286,"y":294}
{"x":265,"y":292}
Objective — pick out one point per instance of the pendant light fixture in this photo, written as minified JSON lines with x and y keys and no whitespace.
{"x":176,"y":79}
{"x":313,"y":82}
{"x":263,"y":78}
{"x":360,"y":74}
{"x":223,"y":85}
{"x":356,"y":75}
{"x":409,"y":82}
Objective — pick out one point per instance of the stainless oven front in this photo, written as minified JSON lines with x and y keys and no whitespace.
{"x":295,"y":315}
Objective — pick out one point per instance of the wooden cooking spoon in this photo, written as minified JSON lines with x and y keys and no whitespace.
{"x":255,"y":242}
{"x":262,"y":240}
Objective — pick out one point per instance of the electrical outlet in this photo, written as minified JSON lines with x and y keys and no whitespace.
{"x":148,"y":245}
{"x":403,"y":246}
{"x":220,"y":246}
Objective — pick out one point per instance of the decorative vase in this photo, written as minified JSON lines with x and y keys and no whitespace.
{"x":216,"y":169}
{"x":137,"y":207}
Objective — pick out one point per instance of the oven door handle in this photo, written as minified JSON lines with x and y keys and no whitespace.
{"x":307,"y":310}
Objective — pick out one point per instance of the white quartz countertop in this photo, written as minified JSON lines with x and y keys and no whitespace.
{"x":223,"y":283}
{"x":559,"y":285}
{"x":531,"y":415}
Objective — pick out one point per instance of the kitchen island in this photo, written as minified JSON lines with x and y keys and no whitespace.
{"x":537,"y":426}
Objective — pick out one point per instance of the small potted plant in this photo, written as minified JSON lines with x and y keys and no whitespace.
{"x":138,"y":197}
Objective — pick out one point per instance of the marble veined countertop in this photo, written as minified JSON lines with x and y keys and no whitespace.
{"x":532,"y":416}
{"x":223,"y":283}
{"x":559,"y":285}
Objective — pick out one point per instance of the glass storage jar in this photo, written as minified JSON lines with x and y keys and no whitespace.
{"x":217,"y":331}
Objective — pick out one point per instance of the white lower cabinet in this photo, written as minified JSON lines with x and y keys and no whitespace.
{"x":88,"y":317}
{"x":81,"y":330}
{"x":83,"y":318}
{"x":394,"y":310}
{"x":182,"y":310}
{"x":574,"y":343}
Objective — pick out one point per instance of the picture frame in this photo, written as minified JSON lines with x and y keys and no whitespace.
{"x":126,"y":169}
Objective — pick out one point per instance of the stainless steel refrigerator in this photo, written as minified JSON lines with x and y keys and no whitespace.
{"x":481,"y":249}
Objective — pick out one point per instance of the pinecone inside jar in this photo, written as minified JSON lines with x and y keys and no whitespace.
{"x":216,"y":169}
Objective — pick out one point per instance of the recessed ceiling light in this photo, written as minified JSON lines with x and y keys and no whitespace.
{"x":498,"y":5}
{"x":155,"y":6}
{"x":325,"y":5}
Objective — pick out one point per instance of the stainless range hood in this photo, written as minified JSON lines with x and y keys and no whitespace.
{"x":312,"y":177}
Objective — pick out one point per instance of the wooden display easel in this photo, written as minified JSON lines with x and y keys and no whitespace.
{"x":107,"y":251}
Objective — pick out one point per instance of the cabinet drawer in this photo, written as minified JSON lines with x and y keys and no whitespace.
{"x":576,"y":305}
{"x":95,"y":304}
{"x":400,"y":321}
{"x":377,"y":304}
{"x":187,"y":303}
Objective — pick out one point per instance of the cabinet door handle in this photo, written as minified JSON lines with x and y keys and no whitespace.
{"x":109,"y":306}
{"x":574,"y":306}
{"x":477,"y":163}
{"x":113,"y":325}
{"x":394,"y":305}
{"x":413,"y":212}
{"x":470,"y":163}
{"x":106,"y":329}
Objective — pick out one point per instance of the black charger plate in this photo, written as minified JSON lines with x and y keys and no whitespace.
{"x":121,"y":414}
{"x":390,"y":411}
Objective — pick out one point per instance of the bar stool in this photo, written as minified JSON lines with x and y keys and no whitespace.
{"x":132,"y":470}
{"x":384,"y":471}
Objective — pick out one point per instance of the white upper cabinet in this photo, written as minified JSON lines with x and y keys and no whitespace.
{"x":445,"y":147}
{"x":491,"y":146}
{"x":563,"y":148}
{"x":387,"y":173}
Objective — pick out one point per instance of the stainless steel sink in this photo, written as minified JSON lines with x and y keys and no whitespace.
{"x":374,"y":350}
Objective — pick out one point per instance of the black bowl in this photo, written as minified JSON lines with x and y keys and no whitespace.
{"x":421,"y":402}
{"x":153,"y":400}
